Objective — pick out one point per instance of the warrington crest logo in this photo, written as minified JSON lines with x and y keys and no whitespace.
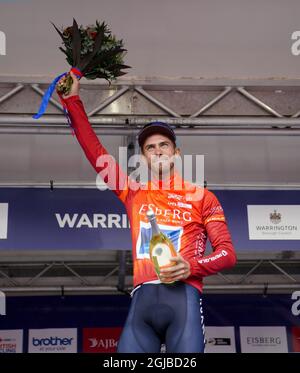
{"x":275,"y":217}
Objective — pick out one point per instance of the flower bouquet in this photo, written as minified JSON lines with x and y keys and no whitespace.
{"x":92,"y":52}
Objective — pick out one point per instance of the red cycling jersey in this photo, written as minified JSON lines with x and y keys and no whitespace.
{"x":188,"y":215}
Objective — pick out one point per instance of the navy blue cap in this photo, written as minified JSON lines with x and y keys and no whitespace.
{"x":156,"y":127}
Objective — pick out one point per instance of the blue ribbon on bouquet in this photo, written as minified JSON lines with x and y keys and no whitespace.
{"x":47,"y":96}
{"x":49,"y":92}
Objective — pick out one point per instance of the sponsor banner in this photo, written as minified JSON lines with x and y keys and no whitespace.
{"x":235,"y":204}
{"x":222,"y":312}
{"x":274,"y":222}
{"x":263,"y":339}
{"x":101,"y":339}
{"x":90,"y":219}
{"x":296,"y":338}
{"x":219,"y":339}
{"x":62,"y":219}
{"x":11,"y":341}
{"x":52,"y":340}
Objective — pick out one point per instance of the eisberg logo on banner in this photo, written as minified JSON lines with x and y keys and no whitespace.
{"x":3,"y":220}
{"x":263,"y":339}
{"x":11,"y":341}
{"x":52,"y":340}
{"x":270,"y":222}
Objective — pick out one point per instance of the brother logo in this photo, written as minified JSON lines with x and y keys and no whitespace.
{"x":51,"y":341}
{"x":2,"y":304}
{"x":2,"y":43}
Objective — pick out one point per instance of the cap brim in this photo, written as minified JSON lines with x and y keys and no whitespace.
{"x":151,"y":130}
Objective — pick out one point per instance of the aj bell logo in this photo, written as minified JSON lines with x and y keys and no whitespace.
{"x":2,"y":44}
{"x":104,"y":343}
{"x":3,"y":220}
{"x":2,"y":304}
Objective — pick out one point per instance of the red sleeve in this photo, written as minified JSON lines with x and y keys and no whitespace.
{"x":104,"y":164}
{"x":223,"y":256}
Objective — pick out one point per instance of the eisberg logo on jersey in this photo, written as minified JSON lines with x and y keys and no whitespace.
{"x":174,"y":214}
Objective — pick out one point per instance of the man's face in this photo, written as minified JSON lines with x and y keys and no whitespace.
{"x":159,"y":152}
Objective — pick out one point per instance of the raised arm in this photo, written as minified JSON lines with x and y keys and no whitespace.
{"x":103,"y":163}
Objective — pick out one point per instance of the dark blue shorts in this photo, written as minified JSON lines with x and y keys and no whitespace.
{"x":164,"y":314}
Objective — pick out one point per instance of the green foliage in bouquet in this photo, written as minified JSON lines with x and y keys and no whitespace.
{"x":94,"y":51}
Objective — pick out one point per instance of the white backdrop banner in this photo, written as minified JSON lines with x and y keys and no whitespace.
{"x":274,"y":222}
{"x":11,"y":341}
{"x":220,"y":339}
{"x":263,"y":339}
{"x":52,"y":340}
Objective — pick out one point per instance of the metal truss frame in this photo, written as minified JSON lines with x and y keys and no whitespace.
{"x":267,"y":113}
{"x":227,"y":108}
{"x":254,"y":276}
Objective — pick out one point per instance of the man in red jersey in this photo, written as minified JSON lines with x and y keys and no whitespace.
{"x":188,"y":214}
